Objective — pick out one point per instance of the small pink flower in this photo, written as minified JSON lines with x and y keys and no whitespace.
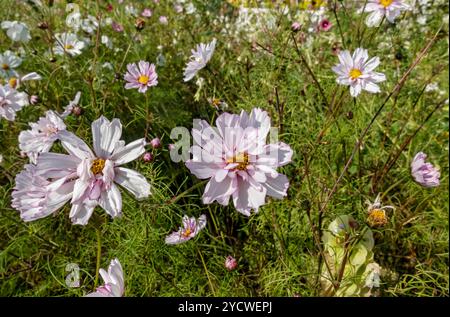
{"x":191,"y":227}
{"x":423,"y":172}
{"x":163,"y":19}
{"x":141,"y":76}
{"x":230,"y":263}
{"x":147,"y":157}
{"x":146,"y":13}
{"x":178,"y":8}
{"x":155,"y":143}
{"x":325,"y":25}
{"x":295,"y":26}
{"x":34,"y":99}
{"x":117,"y":26}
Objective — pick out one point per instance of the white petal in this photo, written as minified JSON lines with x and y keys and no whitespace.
{"x":105,"y":135}
{"x":129,"y":152}
{"x":133,"y":181}
{"x":111,"y":201}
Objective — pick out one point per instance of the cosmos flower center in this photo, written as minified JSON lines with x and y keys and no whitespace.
{"x":242,"y":160}
{"x":12,"y":82}
{"x":187,"y":232}
{"x":97,"y":166}
{"x":5,"y":66}
{"x":143,"y":79}
{"x":51,"y":129}
{"x":355,"y":73}
{"x":377,"y":217}
{"x":68,"y":46}
{"x":386,"y":3}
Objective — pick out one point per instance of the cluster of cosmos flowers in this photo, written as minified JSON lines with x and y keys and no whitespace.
{"x":233,"y":155}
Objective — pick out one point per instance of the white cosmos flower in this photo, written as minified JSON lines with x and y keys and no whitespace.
{"x":199,"y":58}
{"x":15,"y":80}
{"x":357,"y":71}
{"x":86,"y":178}
{"x":8,"y":62}
{"x":114,"y":282}
{"x":68,"y":43}
{"x":90,"y":24}
{"x":69,"y":108}
{"x":390,"y":9}
{"x":16,"y":31}
{"x":11,"y":101}
{"x":42,"y":135}
{"x":191,"y":227}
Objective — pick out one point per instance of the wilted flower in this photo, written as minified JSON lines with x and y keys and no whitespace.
{"x":141,"y":76}
{"x":68,"y":43}
{"x":191,"y":227}
{"x":114,"y":282}
{"x":390,"y":9}
{"x":139,"y":24}
{"x":373,"y":277}
{"x":424,"y":173}
{"x":16,"y":31}
{"x":237,"y":160}
{"x":72,"y":104}
{"x":11,"y":101}
{"x":86,"y":178}
{"x":230,"y":263}
{"x":377,"y":212}
{"x":42,"y":135}
{"x":199,"y":58}
{"x":358,"y":72}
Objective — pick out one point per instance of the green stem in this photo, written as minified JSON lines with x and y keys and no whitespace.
{"x":99,"y":251}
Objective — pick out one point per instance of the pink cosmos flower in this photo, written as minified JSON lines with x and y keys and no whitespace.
{"x":163,"y":19}
{"x":325,"y":25}
{"x":191,"y":227}
{"x":199,"y":58}
{"x":42,"y":135}
{"x":117,"y":26}
{"x":11,"y":101}
{"x":295,"y":26}
{"x":238,"y":162}
{"x":114,"y":283}
{"x":146,"y":13}
{"x":141,"y":76}
{"x":424,"y":173}
{"x":86,"y":178}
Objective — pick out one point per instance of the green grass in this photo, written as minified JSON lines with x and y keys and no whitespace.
{"x":276,"y":251}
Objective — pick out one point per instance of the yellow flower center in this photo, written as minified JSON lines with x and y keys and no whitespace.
{"x":355,"y":73}
{"x":143,"y":79}
{"x":377,"y":217}
{"x":68,"y":46}
{"x":97,"y":166}
{"x":241,"y":159}
{"x":386,"y":3}
{"x":12,"y":82}
{"x":5,"y":66}
{"x":187,"y":232}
